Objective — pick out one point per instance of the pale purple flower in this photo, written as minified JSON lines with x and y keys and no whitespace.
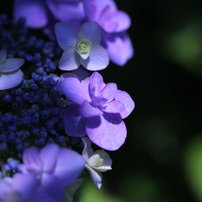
{"x":97,"y":110}
{"x":44,"y":13}
{"x":96,"y":162}
{"x":10,"y":74}
{"x":54,"y":168}
{"x":114,"y":24}
{"x":81,"y":46}
{"x":19,"y":188}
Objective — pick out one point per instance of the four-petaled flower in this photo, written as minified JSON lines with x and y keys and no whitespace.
{"x":81,"y":46}
{"x":10,"y":74}
{"x":54,"y":167}
{"x":96,"y":162}
{"x":97,"y":110}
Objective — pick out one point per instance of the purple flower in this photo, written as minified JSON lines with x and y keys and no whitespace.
{"x":97,"y":110}
{"x":10,"y":74}
{"x":114,"y":24}
{"x":54,"y":168}
{"x":20,"y":188}
{"x":41,"y":14}
{"x":81,"y":46}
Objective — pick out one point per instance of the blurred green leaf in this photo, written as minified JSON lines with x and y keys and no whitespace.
{"x":142,"y":187}
{"x":193,"y":165}
{"x":184,"y":46}
{"x":90,"y":193}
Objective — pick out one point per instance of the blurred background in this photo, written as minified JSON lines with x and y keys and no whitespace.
{"x":161,"y":160}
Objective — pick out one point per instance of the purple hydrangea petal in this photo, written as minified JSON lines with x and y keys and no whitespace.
{"x":71,"y":87}
{"x":34,"y":11}
{"x":69,"y":165}
{"x":110,"y":134}
{"x":96,"y":84}
{"x":85,"y":86}
{"x":70,"y":11}
{"x":66,"y":34}
{"x":114,"y":107}
{"x":118,"y":22}
{"x":120,"y":48}
{"x":95,"y":9}
{"x":97,"y":60}
{"x":87,"y":110}
{"x":19,"y":188}
{"x":26,"y":185}
{"x":126,"y":99}
{"x":11,"y":64}
{"x":69,"y":60}
{"x":74,"y":123}
{"x":91,"y":31}
{"x":11,"y":79}
{"x":67,"y":75}
{"x":105,"y":19}
{"x":47,"y":196}
{"x":31,"y":160}
{"x":48,"y":156}
{"x":109,"y":91}
{"x":52,"y":185}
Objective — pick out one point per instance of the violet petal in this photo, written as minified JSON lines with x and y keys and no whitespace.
{"x":87,"y":110}
{"x":74,"y":123}
{"x":114,"y":107}
{"x":120,"y":48}
{"x":11,"y":64}
{"x":71,"y":88}
{"x":120,"y":20}
{"x":69,"y":60}
{"x":65,"y":170}
{"x":31,"y":160}
{"x":11,"y":79}
{"x":110,"y":134}
{"x":91,"y":31}
{"x":109,"y":91}
{"x":126,"y":99}
{"x":67,"y":11}
{"x":96,"y":84}
{"x":66,"y":34}
{"x":97,"y":60}
{"x":34,"y":11}
{"x":48,"y":156}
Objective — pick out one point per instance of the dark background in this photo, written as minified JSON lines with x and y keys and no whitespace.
{"x":161,"y":160}
{"x":157,"y":161}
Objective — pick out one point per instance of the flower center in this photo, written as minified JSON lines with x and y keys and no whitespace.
{"x":83,"y":47}
{"x":95,"y":161}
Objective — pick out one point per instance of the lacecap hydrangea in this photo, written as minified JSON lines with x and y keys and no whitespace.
{"x":54,"y":104}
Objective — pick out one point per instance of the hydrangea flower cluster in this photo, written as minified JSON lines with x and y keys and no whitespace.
{"x":54,"y":104}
